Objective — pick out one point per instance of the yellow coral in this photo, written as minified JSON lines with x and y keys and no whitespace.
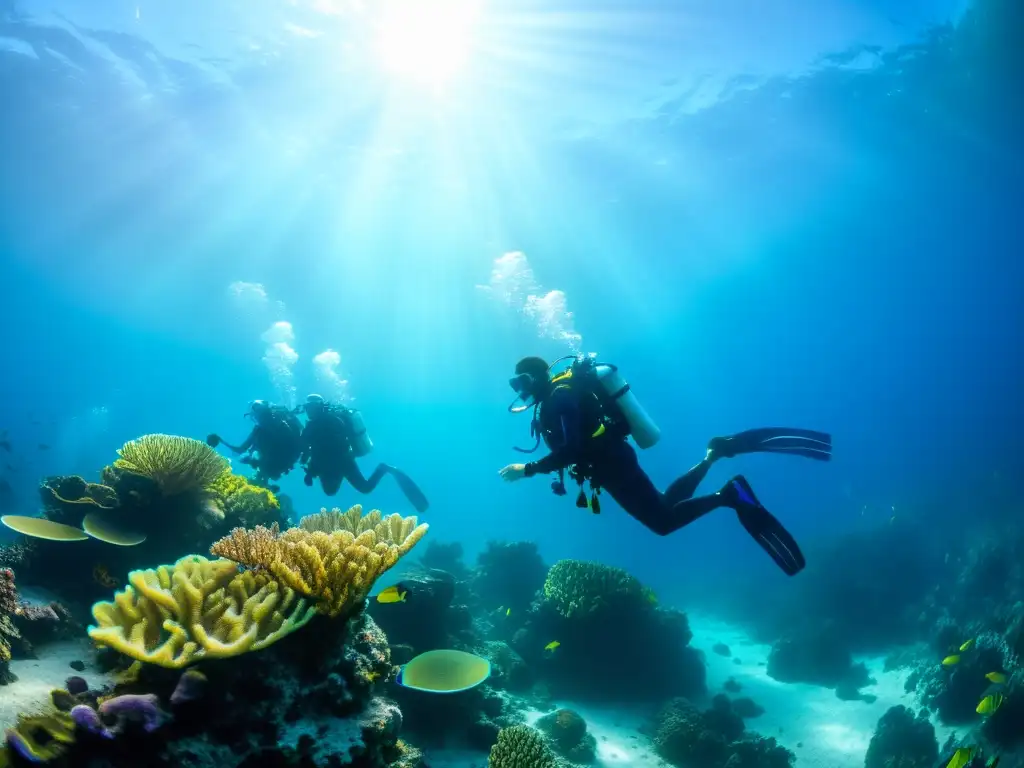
{"x":176,"y":464}
{"x":332,"y":557}
{"x":242,"y":501}
{"x":197,"y":609}
{"x":42,"y":737}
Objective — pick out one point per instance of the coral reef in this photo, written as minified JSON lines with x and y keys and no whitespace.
{"x":175,"y":464}
{"x":445,"y":556}
{"x":604,"y":619}
{"x":820,"y":658}
{"x":309,"y":701}
{"x":164,"y":498}
{"x":508,"y":574}
{"x":8,"y":632}
{"x":197,"y":609}
{"x":520,"y":746}
{"x":333,"y":557}
{"x":686,"y":737}
{"x":902,"y":740}
{"x":568,"y":737}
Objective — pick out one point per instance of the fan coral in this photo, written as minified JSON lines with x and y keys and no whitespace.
{"x":176,"y":464}
{"x":520,"y":746}
{"x":197,"y":609}
{"x":578,"y":588}
{"x":332,"y":557}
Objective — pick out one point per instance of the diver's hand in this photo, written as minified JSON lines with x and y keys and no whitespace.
{"x":513,"y":472}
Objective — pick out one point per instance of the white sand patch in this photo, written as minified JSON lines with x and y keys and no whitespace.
{"x":37,"y":677}
{"x":617,"y":731}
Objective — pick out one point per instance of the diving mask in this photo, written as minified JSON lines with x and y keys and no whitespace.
{"x":525,"y":387}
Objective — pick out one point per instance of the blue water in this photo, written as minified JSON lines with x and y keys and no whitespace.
{"x":805,"y":215}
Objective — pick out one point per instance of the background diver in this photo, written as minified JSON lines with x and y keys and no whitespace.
{"x":584,"y":416}
{"x":274,"y":445}
{"x":333,"y":439}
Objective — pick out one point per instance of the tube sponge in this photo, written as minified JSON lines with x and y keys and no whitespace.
{"x":197,"y":609}
{"x":520,"y":746}
{"x":333,"y":557}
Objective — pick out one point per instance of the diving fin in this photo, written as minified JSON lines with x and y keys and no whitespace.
{"x":808,"y":443}
{"x":411,"y":490}
{"x":762,"y":525}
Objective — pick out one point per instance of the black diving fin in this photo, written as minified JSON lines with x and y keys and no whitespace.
{"x":808,"y":443}
{"x":764,"y":527}
{"x":411,"y":490}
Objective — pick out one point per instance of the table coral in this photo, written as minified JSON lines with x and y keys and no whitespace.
{"x":197,"y":609}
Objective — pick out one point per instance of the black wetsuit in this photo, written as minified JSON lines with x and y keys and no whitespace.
{"x":272,"y":447}
{"x":569,"y":418}
{"x":327,"y":453}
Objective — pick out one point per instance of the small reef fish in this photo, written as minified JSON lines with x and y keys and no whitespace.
{"x":552,"y":645}
{"x":508,"y":612}
{"x":949,"y":661}
{"x":102,"y":576}
{"x":967,"y":645}
{"x":961,"y":758}
{"x":392,"y":595}
{"x":989,"y":704}
{"x":996,"y":677}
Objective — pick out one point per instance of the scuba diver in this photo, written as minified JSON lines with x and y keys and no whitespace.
{"x":584,"y":416}
{"x":272,"y":447}
{"x":333,"y":439}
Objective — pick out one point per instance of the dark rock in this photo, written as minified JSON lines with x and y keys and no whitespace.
{"x":721,"y":649}
{"x":78,"y":666}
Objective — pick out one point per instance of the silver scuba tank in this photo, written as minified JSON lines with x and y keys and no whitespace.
{"x":642,"y":428}
{"x":359,"y":440}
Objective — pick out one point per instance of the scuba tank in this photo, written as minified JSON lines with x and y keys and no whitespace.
{"x":358,"y":439}
{"x":642,"y":428}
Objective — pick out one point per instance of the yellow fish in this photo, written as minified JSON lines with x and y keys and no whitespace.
{"x":508,"y":612}
{"x":966,"y":646}
{"x":989,"y":704}
{"x":961,"y":758}
{"x":949,"y":661}
{"x":552,"y":645}
{"x":391,"y":595}
{"x":996,"y":677}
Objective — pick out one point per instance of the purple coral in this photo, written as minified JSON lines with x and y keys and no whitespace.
{"x":134,"y":708}
{"x":88,"y":719}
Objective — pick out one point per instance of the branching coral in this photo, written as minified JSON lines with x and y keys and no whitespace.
{"x":332,"y":557}
{"x":520,"y":746}
{"x":197,"y":609}
{"x":176,"y":464}
{"x":578,"y":588}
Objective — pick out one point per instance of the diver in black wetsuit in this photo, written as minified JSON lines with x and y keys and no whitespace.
{"x":273,"y":446}
{"x":332,"y":441}
{"x":584,"y":417}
